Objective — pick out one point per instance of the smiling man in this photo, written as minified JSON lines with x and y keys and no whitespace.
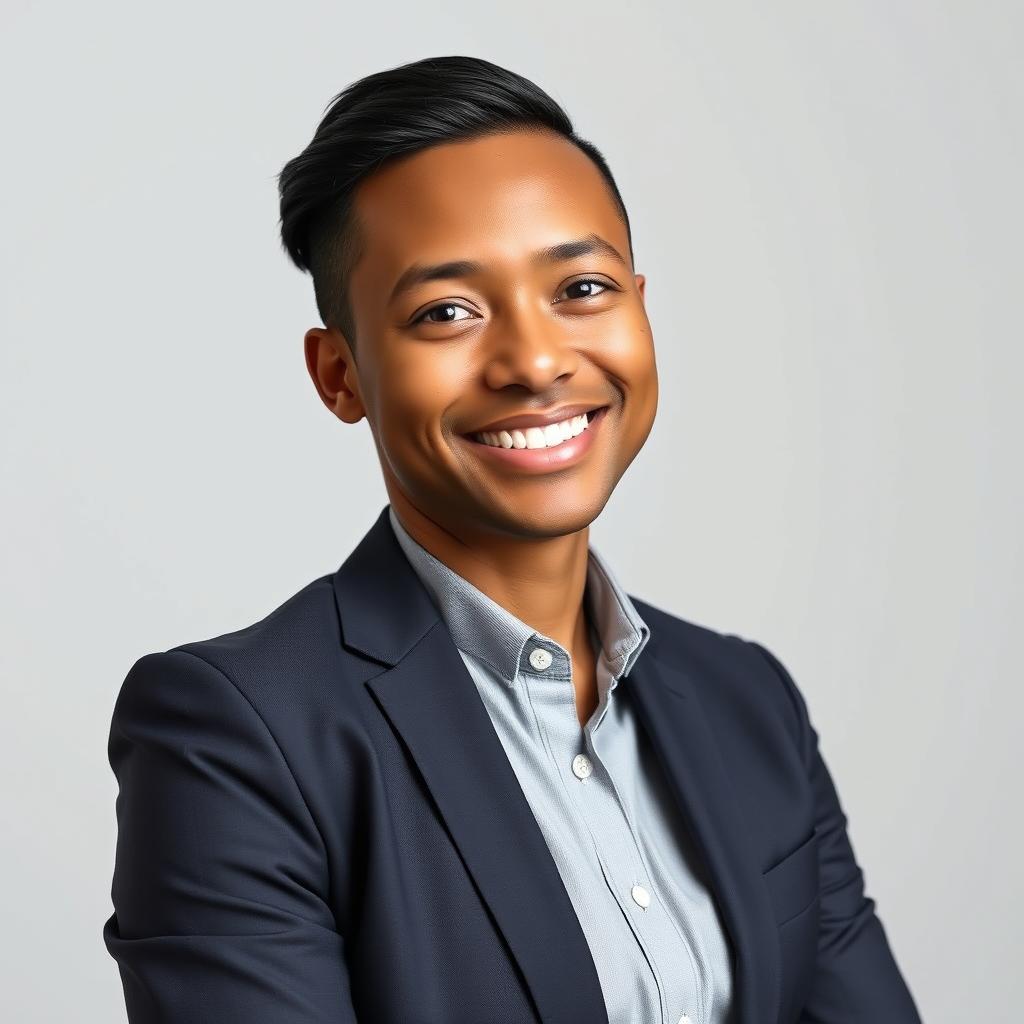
{"x":467,"y":777}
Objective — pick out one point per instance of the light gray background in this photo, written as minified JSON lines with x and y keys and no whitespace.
{"x":826,"y":202}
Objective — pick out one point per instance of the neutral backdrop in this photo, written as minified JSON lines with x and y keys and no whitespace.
{"x":826,"y":201}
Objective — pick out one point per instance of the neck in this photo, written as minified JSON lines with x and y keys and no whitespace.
{"x":539,"y":580}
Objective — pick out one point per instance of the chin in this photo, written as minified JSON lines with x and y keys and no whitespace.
{"x":558,"y":518}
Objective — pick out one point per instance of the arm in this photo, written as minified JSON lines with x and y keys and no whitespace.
{"x":857,"y":980}
{"x":220,"y":871}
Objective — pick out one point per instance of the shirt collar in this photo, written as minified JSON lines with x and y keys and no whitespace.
{"x":485,"y":630}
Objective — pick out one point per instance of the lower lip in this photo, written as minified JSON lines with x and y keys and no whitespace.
{"x":544,"y":460}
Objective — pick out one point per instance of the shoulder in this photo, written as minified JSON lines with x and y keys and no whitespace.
{"x":298,"y":636}
{"x":283,"y":664}
{"x":730,"y":672}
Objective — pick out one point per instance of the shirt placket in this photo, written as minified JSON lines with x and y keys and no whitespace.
{"x":667,"y":924}
{"x":545,"y":663}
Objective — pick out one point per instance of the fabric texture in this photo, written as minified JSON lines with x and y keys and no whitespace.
{"x":317,"y":823}
{"x":611,"y":825}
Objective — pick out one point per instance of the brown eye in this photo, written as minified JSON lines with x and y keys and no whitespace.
{"x":444,"y":307}
{"x":588,"y":285}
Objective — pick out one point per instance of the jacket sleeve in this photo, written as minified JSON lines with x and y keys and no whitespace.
{"x":220,"y":872}
{"x":857,"y":980}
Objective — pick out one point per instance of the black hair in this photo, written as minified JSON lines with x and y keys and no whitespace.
{"x":390,"y":114}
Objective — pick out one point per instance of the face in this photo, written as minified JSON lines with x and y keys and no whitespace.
{"x":517,"y":325}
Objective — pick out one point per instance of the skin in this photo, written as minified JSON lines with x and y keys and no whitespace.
{"x":516,"y":338}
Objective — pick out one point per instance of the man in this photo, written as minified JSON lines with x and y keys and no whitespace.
{"x":466,"y":777}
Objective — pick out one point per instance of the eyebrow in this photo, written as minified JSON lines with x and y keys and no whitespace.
{"x":422,"y":273}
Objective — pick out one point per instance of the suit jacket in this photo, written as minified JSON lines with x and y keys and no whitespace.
{"x":317,"y":824}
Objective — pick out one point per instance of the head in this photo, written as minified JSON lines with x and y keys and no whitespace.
{"x":472,"y":263}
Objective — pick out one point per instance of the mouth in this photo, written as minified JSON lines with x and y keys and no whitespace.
{"x":541,"y":449}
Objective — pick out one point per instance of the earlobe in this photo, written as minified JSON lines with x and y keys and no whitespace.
{"x":333,"y":372}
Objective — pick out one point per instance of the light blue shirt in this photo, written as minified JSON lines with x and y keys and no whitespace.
{"x":599,"y":796}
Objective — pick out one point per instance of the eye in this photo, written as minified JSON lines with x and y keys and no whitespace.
{"x":446,"y":307}
{"x":589,"y":282}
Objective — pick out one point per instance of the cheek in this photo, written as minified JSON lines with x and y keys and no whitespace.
{"x":647,"y":376}
{"x":646,"y":392}
{"x":633,"y":361}
{"x":626,"y":334}
{"x":642,"y":353}
{"x":628,"y":353}
{"x":414,"y":392}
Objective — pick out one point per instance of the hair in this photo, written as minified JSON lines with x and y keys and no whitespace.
{"x":384,"y":116}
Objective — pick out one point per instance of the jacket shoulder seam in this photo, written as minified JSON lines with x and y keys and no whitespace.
{"x":269,"y":732}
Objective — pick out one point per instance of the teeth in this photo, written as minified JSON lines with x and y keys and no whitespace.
{"x":536,"y":437}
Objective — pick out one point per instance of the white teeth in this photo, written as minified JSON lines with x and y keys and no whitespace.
{"x":536,"y":437}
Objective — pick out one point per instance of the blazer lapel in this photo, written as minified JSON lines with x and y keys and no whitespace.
{"x":432,"y":703}
{"x":669,"y":710}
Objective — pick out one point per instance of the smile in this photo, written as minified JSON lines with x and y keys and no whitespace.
{"x":555,"y":446}
{"x":535,"y":437}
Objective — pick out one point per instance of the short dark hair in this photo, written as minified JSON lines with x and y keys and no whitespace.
{"x":390,"y":114}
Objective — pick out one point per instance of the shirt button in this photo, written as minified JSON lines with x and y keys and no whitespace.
{"x":685,"y":1019}
{"x":581,"y":766}
{"x":641,"y":897}
{"x":539,"y":658}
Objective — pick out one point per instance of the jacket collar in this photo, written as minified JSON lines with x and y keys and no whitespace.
{"x":484,"y":629}
{"x":427,"y":694}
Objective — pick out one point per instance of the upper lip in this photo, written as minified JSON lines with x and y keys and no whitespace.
{"x":538,"y":419}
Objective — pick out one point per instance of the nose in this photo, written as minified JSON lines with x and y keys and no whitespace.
{"x":528,"y":348}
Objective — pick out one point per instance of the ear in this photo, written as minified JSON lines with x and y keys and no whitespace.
{"x":640,"y":282}
{"x":333,"y":370}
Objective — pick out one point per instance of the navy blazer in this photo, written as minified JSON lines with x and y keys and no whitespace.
{"x":317,"y":824}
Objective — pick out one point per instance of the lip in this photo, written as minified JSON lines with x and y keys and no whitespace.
{"x":544,"y":460}
{"x":537,"y":419}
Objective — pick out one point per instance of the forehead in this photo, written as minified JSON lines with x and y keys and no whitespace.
{"x":498,"y":197}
